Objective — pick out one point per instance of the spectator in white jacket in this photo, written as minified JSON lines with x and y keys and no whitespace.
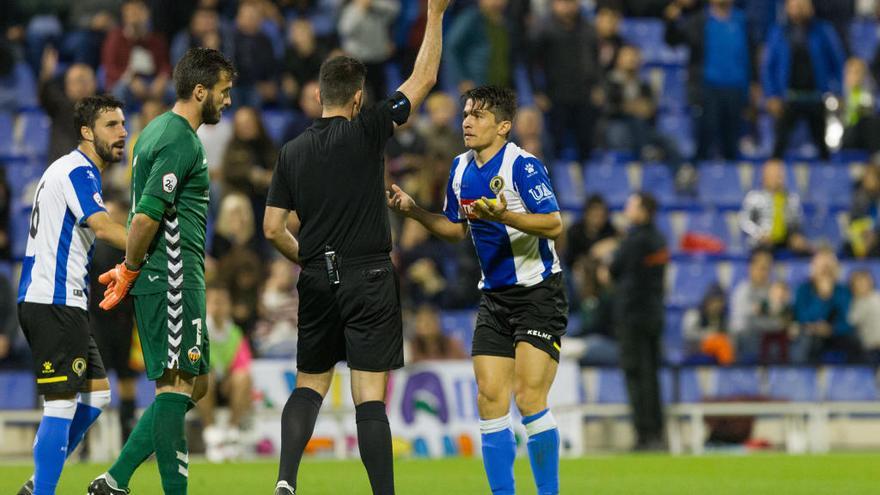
{"x":771,"y":216}
{"x":365,"y":31}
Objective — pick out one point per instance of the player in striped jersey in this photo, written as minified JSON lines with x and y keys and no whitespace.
{"x":68,"y":214}
{"x":504,"y":196}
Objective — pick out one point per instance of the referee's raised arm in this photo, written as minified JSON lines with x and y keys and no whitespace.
{"x":424,"y":74}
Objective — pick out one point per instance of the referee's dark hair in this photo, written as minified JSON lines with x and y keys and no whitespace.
{"x":87,"y":110}
{"x":200,"y":66}
{"x":648,"y":203}
{"x":500,"y":101}
{"x":340,"y":78}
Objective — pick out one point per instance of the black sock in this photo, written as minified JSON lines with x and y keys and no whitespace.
{"x":297,"y":424}
{"x":374,"y":443}
{"x":126,"y":418}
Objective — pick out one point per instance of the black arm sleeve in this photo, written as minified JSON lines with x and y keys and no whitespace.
{"x":281,"y":194}
{"x":379,"y":120}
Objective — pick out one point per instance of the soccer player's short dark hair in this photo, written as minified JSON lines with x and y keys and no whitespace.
{"x":200,"y":66}
{"x":648,"y":203}
{"x":500,"y":101}
{"x":340,"y":78}
{"x":87,"y":110}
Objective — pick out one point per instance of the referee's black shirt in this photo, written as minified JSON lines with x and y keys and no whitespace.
{"x":333,"y":176}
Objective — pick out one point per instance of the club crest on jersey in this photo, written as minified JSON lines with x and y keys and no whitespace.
{"x":194,"y":354}
{"x":169,"y":183}
{"x":496,"y":184}
{"x":79,"y":366}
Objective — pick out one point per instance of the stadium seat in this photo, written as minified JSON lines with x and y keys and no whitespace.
{"x":673,"y":336}
{"x":865,"y":32}
{"x":611,"y":181}
{"x":829,"y":185}
{"x":714,"y":223}
{"x":569,"y":192}
{"x":719,"y":185}
{"x":275,"y":122}
{"x":17,"y":390}
{"x":851,"y":383}
{"x":679,"y":128}
{"x":611,"y":386}
{"x":823,"y":228}
{"x":35,"y":136}
{"x":6,"y":137}
{"x":736,"y":382}
{"x":795,"y":272}
{"x":792,"y":384}
{"x":690,"y":281}
{"x":689,"y":390}
{"x":657,"y":178}
{"x":459,"y":324}
{"x":664,"y":224}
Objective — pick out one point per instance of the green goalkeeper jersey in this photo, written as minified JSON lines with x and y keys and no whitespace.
{"x":170,"y":185}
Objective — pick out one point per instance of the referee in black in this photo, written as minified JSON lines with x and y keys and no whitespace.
{"x":331,"y":178}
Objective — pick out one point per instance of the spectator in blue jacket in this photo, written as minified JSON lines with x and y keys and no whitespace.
{"x":720,"y":70}
{"x":479,"y":46}
{"x":803,"y":60}
{"x":821,"y":307}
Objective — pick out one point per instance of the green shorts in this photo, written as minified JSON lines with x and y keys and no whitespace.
{"x":173,"y":332}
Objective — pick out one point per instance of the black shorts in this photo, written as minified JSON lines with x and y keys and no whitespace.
{"x":358,"y":320}
{"x":537,"y":315}
{"x":64,"y":352}
{"x":112,"y":331}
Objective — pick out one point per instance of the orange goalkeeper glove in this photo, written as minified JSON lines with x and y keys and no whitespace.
{"x":119,"y":281}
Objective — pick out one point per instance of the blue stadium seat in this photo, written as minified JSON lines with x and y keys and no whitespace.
{"x":19,"y":225}
{"x":679,"y":128}
{"x":792,"y":384}
{"x":739,"y":271}
{"x":657,"y":178}
{"x":689,"y":389}
{"x":18,"y":390}
{"x":568,"y":191}
{"x":611,"y":386}
{"x":664,"y":224}
{"x":673,"y":336}
{"x":35,"y":137}
{"x":851,"y":383}
{"x":275,"y":122}
{"x":719,"y":185}
{"x":823,"y":229}
{"x":691,"y":279}
{"x":711,"y":222}
{"x":863,"y":38}
{"x":734,"y":382}
{"x":667,"y":385}
{"x":829,"y":185}
{"x":6,"y":137}
{"x":459,"y":324}
{"x":795,"y":272}
{"x":611,"y":181}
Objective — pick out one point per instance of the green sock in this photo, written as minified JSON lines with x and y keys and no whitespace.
{"x":169,"y":439}
{"x":136,"y":450}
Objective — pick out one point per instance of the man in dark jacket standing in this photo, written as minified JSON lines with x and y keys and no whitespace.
{"x":638,"y":270}
{"x":565,"y":56}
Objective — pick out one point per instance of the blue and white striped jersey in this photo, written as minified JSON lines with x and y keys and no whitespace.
{"x":60,"y":244}
{"x":507,"y":256}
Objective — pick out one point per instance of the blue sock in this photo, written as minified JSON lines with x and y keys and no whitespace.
{"x":543,"y":448}
{"x":50,"y":446}
{"x":88,"y":408}
{"x":499,"y":452}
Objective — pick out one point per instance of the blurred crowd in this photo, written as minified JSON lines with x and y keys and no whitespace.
{"x":584,"y":89}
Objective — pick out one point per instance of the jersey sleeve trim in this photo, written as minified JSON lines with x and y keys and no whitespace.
{"x":151,"y":206}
